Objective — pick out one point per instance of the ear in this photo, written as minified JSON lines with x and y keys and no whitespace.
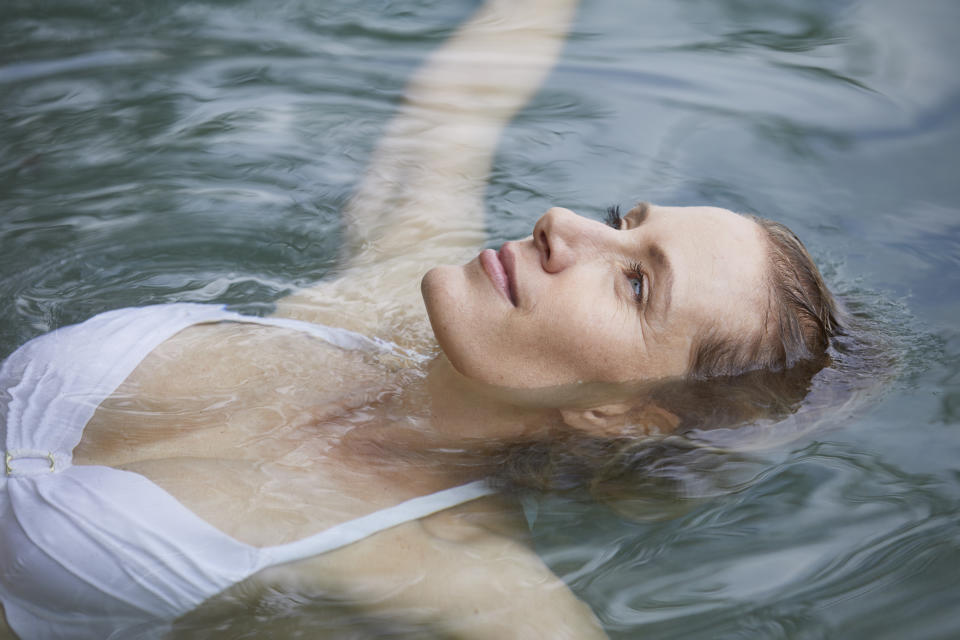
{"x":603,"y":420}
{"x":609,"y":419}
{"x":655,"y":420}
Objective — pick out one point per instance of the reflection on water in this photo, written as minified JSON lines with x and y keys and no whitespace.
{"x":201,"y":151}
{"x":815,"y":545}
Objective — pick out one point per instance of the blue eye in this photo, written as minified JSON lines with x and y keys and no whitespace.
{"x":637,"y":281}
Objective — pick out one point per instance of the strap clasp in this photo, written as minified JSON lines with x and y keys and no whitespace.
{"x":28,"y":454}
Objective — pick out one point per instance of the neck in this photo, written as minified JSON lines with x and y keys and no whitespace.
{"x":469,"y":412}
{"x":447,"y":427}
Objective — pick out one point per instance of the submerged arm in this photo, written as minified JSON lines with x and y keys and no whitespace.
{"x":426,"y":181}
{"x":463,"y":574}
{"x":420,"y":201}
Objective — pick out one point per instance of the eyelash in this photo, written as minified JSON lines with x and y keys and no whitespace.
{"x":613,"y":217}
{"x":635,"y":270}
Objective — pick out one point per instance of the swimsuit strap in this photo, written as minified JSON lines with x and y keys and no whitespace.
{"x":337,"y":336}
{"x":352,"y":531}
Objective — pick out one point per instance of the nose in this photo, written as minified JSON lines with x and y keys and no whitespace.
{"x":560,"y":236}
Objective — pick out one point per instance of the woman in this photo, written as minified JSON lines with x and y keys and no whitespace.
{"x":185,"y":462}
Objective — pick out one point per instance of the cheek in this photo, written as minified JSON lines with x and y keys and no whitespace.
{"x":574,"y":334}
{"x":590,"y":339}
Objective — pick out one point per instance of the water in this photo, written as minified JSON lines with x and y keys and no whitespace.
{"x":201,"y":151}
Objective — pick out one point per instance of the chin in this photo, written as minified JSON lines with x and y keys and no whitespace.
{"x":439,"y":290}
{"x":434,"y":287}
{"x":446,"y":294}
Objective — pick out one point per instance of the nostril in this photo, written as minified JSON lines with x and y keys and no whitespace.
{"x":542,"y":237}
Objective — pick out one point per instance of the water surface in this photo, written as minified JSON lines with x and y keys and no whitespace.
{"x":200,"y":151}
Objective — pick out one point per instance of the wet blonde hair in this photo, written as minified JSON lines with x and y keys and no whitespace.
{"x":801,"y":316}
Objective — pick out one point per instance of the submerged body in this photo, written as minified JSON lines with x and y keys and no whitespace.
{"x":76,"y":514}
{"x":173,"y":448}
{"x":267,"y":435}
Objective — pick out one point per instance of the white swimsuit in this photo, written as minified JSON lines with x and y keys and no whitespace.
{"x":96,"y":552}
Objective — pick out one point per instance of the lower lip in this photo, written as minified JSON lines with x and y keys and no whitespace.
{"x":495,"y":271}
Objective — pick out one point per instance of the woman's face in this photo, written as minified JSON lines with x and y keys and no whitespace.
{"x":581,"y":300}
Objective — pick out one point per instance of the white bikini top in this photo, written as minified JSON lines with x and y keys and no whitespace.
{"x":92,"y":551}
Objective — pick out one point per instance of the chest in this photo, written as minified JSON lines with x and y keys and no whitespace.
{"x":242,"y":424}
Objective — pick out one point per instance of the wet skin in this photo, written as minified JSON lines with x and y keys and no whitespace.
{"x":580,"y":300}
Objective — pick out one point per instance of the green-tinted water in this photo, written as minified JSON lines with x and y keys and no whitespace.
{"x":158,"y":151}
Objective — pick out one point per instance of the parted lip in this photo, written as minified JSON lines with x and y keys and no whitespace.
{"x":499,"y":267}
{"x":509,"y":261}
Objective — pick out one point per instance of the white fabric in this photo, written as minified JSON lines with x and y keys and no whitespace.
{"x":97,"y":552}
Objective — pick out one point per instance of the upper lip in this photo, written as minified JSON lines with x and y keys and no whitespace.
{"x":509,"y":262}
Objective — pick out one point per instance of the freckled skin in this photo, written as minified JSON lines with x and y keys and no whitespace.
{"x":576,"y":317}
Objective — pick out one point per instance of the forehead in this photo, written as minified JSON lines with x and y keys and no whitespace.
{"x":718,"y":260}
